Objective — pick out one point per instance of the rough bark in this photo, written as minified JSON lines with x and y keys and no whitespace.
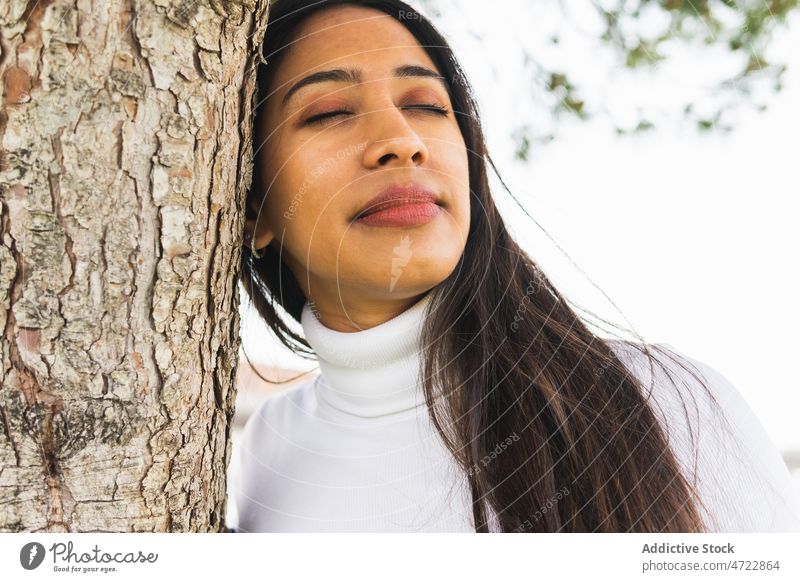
{"x":124,"y":161}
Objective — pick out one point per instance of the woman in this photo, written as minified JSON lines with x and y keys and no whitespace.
{"x":458,"y":390}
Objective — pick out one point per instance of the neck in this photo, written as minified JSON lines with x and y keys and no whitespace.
{"x":372,"y":372}
{"x":363,"y":314}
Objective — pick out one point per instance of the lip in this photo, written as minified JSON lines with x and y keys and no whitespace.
{"x":400,"y":205}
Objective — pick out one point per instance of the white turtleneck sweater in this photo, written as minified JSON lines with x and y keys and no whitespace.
{"x":353,"y":449}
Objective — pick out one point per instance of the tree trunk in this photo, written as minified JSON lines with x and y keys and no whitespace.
{"x":124,"y":161}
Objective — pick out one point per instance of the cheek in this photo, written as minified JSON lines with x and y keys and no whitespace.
{"x":453,"y":168}
{"x":454,"y":154}
{"x":291,"y":188}
{"x":317,"y":173}
{"x":309,"y":204}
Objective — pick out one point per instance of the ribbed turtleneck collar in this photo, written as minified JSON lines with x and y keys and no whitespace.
{"x":373,"y":372}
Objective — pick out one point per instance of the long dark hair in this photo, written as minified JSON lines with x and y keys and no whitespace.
{"x":586,"y":451}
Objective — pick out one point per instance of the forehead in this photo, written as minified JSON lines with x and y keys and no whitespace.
{"x":349,"y":36}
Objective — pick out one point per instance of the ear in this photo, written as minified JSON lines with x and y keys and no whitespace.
{"x":263,"y":236}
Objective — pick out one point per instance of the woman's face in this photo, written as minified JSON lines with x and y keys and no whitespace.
{"x":329,"y":147}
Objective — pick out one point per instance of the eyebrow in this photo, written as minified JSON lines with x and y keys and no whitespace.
{"x":354,"y":76}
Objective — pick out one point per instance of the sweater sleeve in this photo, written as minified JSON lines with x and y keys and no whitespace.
{"x":723,"y":448}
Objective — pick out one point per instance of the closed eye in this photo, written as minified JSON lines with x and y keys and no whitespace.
{"x":323,"y":117}
{"x":438,"y":109}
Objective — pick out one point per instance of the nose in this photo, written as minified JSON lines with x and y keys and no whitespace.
{"x":393,"y":140}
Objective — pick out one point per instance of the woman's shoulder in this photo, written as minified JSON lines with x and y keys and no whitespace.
{"x":723,"y":448}
{"x":281,"y":409}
